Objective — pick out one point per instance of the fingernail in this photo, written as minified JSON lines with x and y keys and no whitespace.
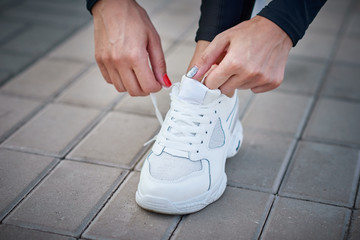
{"x":192,"y":72}
{"x":167,"y":80}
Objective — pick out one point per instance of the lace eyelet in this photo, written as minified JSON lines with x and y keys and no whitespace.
{"x":202,"y":142}
{"x":219,"y":102}
{"x":197,"y":151}
{"x":215,"y":111}
{"x":206,"y":132}
{"x":210,"y":122}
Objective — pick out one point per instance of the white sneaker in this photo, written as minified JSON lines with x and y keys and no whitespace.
{"x":185,"y":170}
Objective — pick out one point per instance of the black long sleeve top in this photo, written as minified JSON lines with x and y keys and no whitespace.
{"x":293,"y":16}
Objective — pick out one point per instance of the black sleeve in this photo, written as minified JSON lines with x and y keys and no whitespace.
{"x":293,"y":16}
{"x":220,"y":15}
{"x":90,"y":4}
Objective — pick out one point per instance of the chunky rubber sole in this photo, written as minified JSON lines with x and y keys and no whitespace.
{"x":163,"y":205}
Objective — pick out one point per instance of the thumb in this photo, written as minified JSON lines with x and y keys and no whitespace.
{"x":157,"y":61}
{"x":208,"y":58}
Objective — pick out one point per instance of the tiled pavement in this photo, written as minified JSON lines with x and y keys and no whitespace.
{"x":71,"y":147}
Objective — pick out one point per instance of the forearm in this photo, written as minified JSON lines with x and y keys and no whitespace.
{"x":220,"y":15}
{"x":292,"y":16}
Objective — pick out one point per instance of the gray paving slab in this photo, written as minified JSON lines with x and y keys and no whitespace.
{"x":67,"y":200}
{"x":349,"y":50}
{"x":13,"y":62}
{"x":19,"y":173}
{"x":323,"y":173}
{"x":143,"y":105}
{"x":35,"y":40}
{"x":39,"y":14}
{"x":4,"y":75}
{"x":261,"y":161}
{"x":298,"y":220}
{"x":12,"y":111}
{"x":314,"y":45}
{"x":238,"y":214}
{"x":326,"y":22}
{"x":302,"y":76}
{"x":178,"y":59}
{"x":79,"y":47}
{"x":165,"y":22}
{"x":342,"y":81}
{"x":335,"y":121}
{"x":357,"y":205}
{"x":277,"y":112}
{"x":8,"y":232}
{"x":117,"y":140}
{"x":355,"y":226}
{"x":52,"y":130}
{"x":90,"y":90}
{"x":122,"y":218}
{"x":8,"y":28}
{"x":44,"y":79}
{"x":352,"y":28}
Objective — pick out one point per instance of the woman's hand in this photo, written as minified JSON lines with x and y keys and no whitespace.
{"x":253,"y":56}
{"x":125,"y":41}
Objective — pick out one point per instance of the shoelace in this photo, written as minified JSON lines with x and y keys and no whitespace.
{"x":187,"y":123}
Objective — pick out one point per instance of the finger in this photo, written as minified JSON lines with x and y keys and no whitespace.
{"x":157,"y":60}
{"x":116,"y":80}
{"x":104,"y":72}
{"x":131,"y":82}
{"x":210,"y":56}
{"x":219,"y":75}
{"x":229,"y":86}
{"x":145,"y":76}
{"x":264,"y":88}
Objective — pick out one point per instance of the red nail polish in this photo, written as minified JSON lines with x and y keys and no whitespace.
{"x":167,"y":80}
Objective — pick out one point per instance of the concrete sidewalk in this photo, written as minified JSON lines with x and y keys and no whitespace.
{"x":71,"y":147}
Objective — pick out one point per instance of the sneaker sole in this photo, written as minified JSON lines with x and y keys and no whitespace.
{"x":163,"y":205}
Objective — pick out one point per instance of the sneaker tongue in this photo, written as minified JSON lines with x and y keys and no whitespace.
{"x":195,"y":92}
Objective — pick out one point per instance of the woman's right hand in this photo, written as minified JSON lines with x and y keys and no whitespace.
{"x":125,"y":41}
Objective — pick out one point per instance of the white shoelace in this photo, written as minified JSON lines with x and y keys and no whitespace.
{"x":186,"y":126}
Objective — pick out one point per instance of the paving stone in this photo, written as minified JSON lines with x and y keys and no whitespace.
{"x":35,"y":40}
{"x":302,"y":76}
{"x":178,"y":60}
{"x":326,"y":22}
{"x":349,"y":50}
{"x":355,"y":226}
{"x":12,"y":62}
{"x":324,"y":173}
{"x":117,"y":140}
{"x":122,"y":218}
{"x":13,"y":111}
{"x":238,"y":214}
{"x":13,"y":232}
{"x":314,"y":45}
{"x":44,"y":79}
{"x":53,"y":130}
{"x":260,"y":162}
{"x":335,"y":121}
{"x":343,"y":82}
{"x":357,"y":205}
{"x":79,"y":47}
{"x":4,"y":75}
{"x":165,"y":22}
{"x":275,"y":111}
{"x":90,"y":90}
{"x":45,"y":14}
{"x":67,"y":199}
{"x":298,"y":220}
{"x":353,"y":26}
{"x":8,"y":28}
{"x":143,"y":105}
{"x":19,"y":172}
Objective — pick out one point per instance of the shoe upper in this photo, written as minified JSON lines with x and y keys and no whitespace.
{"x":189,"y":153}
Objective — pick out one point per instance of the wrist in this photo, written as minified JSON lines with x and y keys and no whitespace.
{"x":273,"y":29}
